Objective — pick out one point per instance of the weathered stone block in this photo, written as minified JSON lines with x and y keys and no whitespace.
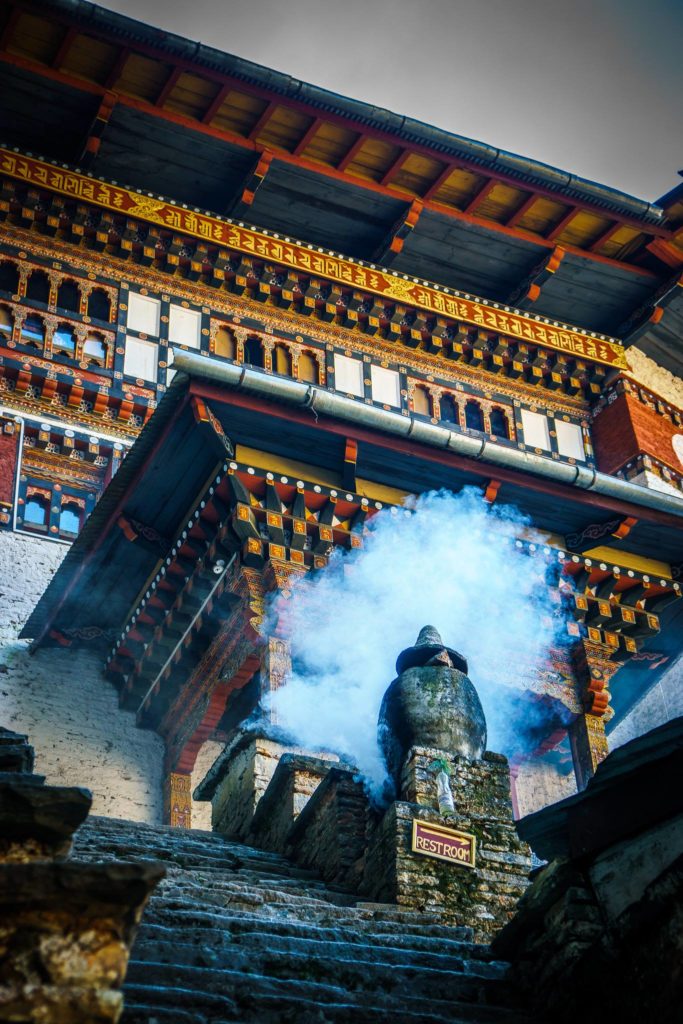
{"x":295,"y":780}
{"x":37,"y":821}
{"x":65,"y":935}
{"x":330,"y":833}
{"x":238,"y":779}
{"x":483,"y":897}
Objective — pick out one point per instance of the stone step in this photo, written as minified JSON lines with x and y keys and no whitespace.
{"x":271,"y":954}
{"x":184,"y":918}
{"x":247,"y":929}
{"x":216,"y":993}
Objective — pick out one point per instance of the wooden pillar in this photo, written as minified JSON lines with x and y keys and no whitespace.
{"x":595,"y":667}
{"x":589,"y":746}
{"x":178,"y":800}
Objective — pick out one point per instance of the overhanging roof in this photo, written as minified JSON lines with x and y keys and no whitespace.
{"x":224,"y":134}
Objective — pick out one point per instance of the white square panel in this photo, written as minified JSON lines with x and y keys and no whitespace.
{"x":143,"y":314}
{"x":386,"y":386}
{"x":348,"y":375}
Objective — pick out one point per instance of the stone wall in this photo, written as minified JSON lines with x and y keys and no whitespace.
{"x":61,"y":700}
{"x":536,"y":784}
{"x":201,"y":809}
{"x":647,"y":372}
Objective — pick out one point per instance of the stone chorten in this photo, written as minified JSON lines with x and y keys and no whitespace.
{"x":432,"y":703}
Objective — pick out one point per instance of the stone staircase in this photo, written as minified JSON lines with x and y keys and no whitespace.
{"x":237,"y":934}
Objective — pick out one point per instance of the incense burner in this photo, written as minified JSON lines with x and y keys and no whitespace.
{"x":432,"y":703}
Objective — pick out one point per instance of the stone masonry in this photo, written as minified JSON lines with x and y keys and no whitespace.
{"x":60,"y":698}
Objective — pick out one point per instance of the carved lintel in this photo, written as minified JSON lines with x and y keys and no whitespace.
{"x":594,"y":533}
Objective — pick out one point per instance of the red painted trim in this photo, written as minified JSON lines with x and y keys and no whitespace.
{"x":395,"y":166}
{"x":308,"y":136}
{"x":215,"y":105}
{"x":521,"y":210}
{"x":605,"y":236}
{"x":263,"y":120}
{"x":64,"y":47}
{"x":215,"y":393}
{"x":117,"y":69}
{"x":485,"y":190}
{"x":168,"y":86}
{"x":321,"y":169}
{"x":351,"y":153}
{"x":562,"y":223}
{"x":438,"y":182}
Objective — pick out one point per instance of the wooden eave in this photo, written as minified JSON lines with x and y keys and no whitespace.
{"x":150,"y":79}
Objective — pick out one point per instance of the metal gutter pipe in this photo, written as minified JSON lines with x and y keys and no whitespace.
{"x":328,"y":403}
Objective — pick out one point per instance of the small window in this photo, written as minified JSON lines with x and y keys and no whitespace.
{"x":69,"y":296}
{"x":184,"y":326}
{"x":348,"y":375}
{"x":36,"y":512}
{"x":70,"y":518}
{"x":449,"y":410}
{"x":95,"y":350}
{"x":421,"y":402}
{"x":499,"y":423}
{"x":64,"y":341}
{"x":6,"y":322}
{"x":143,"y":314}
{"x":38,"y":287}
{"x":308,"y":368}
{"x":99,"y":305}
{"x":536,"y":432}
{"x":9,"y":278}
{"x":224,"y":343}
{"x":141,"y":359}
{"x":569,"y":440}
{"x":282,"y":361}
{"x":386,"y":387}
{"x":33,"y":331}
{"x":474,"y":418}
{"x":253,"y":352}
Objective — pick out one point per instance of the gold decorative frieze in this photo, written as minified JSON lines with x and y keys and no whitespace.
{"x":311,"y":259}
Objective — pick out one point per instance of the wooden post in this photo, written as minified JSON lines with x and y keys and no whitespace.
{"x":178,"y":800}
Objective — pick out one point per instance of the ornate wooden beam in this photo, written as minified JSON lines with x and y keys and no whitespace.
{"x":529,"y":289}
{"x":96,"y":131}
{"x":255,"y":178}
{"x":393,"y":245}
{"x":595,"y":534}
{"x":650,"y":313}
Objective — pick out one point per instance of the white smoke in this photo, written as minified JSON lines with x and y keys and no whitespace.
{"x":451,"y":562}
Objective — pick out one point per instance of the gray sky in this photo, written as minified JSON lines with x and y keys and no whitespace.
{"x":592,"y":86}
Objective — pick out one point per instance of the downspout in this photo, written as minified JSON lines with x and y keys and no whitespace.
{"x":328,"y":403}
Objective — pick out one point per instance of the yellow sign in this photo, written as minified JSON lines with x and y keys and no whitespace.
{"x":312,"y":260}
{"x":444,"y":843}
